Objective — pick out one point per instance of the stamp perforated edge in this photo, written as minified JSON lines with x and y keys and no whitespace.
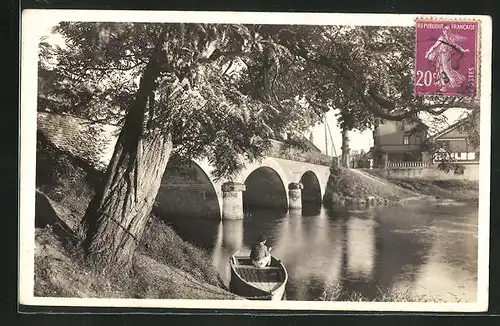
{"x":478,"y":44}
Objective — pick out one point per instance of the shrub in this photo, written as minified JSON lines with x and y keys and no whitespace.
{"x":450,"y":166}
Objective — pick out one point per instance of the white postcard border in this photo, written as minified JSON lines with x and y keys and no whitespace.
{"x":31,"y":30}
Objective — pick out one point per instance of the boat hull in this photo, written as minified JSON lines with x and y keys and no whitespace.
{"x":243,"y":288}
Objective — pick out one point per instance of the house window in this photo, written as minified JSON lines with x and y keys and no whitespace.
{"x":406,"y":139}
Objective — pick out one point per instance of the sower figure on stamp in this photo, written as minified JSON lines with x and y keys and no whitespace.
{"x":261,"y":254}
{"x":441,"y":54}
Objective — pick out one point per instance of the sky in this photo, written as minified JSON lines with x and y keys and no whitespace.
{"x":46,"y":30}
{"x":358,"y":140}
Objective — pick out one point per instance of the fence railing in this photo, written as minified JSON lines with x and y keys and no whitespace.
{"x":410,"y":164}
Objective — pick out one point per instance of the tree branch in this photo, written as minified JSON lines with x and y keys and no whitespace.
{"x":320,"y":105}
{"x":434,"y":109}
{"x":375,"y":102}
{"x":117,"y":68}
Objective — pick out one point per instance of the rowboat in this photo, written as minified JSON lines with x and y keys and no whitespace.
{"x":256,"y":283}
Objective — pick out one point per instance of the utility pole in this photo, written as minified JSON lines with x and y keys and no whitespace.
{"x":334,"y":151}
{"x":326,"y":136}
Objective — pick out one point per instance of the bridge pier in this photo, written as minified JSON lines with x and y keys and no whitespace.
{"x":232,"y":200}
{"x":295,"y":195}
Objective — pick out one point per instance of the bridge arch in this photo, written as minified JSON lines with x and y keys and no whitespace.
{"x":265,"y":188}
{"x":266,"y":162}
{"x":311,"y":191}
{"x":187,"y":191}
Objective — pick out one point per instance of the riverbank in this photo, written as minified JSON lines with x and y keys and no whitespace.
{"x":349,"y":186}
{"x":164,"y":267}
{"x":352,"y":186}
{"x":461,"y":190}
{"x":336,"y":292}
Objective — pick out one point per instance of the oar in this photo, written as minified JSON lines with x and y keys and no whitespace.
{"x":233,"y":256}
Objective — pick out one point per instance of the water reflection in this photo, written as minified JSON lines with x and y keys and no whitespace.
{"x":229,"y":241}
{"x":232,"y":234}
{"x":404,"y":239}
{"x":425,"y":249}
{"x":361,"y":247}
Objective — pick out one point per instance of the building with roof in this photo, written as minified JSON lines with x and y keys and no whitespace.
{"x":457,"y":147}
{"x":398,"y":141}
{"x":456,"y":142}
{"x":398,"y":145}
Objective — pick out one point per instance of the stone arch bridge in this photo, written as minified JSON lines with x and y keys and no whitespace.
{"x":285,"y":178}
{"x":274,"y":182}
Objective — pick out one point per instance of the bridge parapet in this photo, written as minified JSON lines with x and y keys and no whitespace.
{"x":279,"y":150}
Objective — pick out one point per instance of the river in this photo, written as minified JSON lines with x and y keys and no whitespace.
{"x":425,"y":248}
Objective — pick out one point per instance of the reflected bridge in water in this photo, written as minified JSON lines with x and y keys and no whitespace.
{"x":421,"y":249}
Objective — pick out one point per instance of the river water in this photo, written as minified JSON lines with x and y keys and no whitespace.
{"x":425,"y":249}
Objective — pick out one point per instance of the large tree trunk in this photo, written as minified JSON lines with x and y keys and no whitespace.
{"x":117,"y":214}
{"x":116,"y":218}
{"x":345,"y":148}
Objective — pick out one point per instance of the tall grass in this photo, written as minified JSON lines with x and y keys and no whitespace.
{"x":335,"y":292}
{"x":60,"y":271}
{"x":164,"y":265}
{"x":161,"y":243}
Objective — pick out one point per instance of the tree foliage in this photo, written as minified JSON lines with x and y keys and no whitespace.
{"x":288,"y":77}
{"x":207,"y":110}
{"x":364,"y":73}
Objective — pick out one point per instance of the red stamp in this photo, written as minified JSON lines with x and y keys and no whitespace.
{"x":446,"y":57}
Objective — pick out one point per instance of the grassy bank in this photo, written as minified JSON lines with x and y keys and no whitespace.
{"x":164,"y":265}
{"x":346,"y":186}
{"x":350,"y":186}
{"x":167,"y":268}
{"x":438,"y":188}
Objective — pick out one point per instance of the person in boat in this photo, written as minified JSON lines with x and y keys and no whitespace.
{"x":261,"y":254}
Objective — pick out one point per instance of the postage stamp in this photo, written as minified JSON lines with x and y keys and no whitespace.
{"x":446,"y":58}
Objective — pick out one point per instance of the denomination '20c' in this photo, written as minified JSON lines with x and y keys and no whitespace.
{"x":425,"y":78}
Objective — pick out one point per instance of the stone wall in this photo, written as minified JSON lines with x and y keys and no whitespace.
{"x":186,"y":191}
{"x":471,"y":172}
{"x":278,"y":150}
{"x":93,"y":142}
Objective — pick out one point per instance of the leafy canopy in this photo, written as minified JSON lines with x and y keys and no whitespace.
{"x":208,"y":107}
{"x":223,"y":91}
